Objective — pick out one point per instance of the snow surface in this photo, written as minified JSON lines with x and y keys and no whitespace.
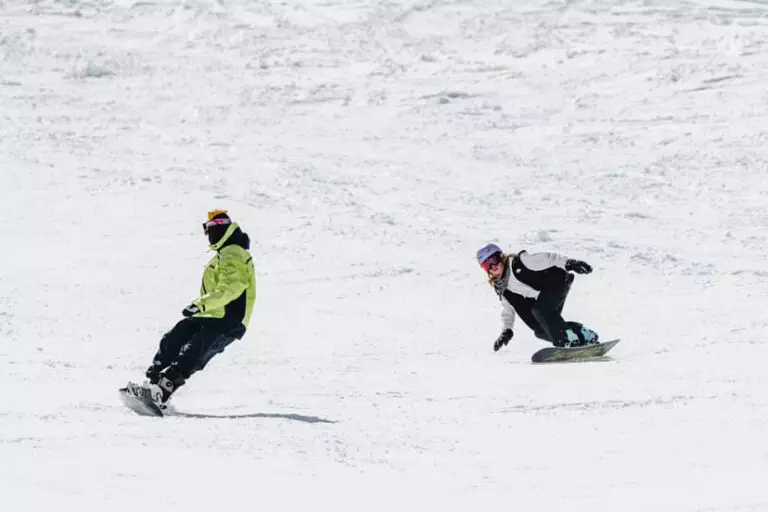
{"x":369,"y":148}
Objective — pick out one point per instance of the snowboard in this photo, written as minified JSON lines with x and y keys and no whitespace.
{"x":563,"y":354}
{"x":141,"y":406}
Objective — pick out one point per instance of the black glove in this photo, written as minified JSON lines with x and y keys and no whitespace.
{"x":503,"y":339}
{"x":191,"y":310}
{"x":580,"y":267}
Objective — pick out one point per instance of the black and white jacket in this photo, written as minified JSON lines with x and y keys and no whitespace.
{"x":525,"y":276}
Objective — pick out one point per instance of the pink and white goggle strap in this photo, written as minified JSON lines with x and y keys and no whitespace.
{"x":215,"y":222}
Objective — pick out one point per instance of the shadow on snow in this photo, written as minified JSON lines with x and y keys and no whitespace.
{"x":294,"y":417}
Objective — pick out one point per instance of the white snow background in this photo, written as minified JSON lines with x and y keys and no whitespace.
{"x":369,"y":148}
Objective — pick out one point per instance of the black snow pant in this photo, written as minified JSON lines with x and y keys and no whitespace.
{"x":193,"y":342}
{"x":547,"y":310}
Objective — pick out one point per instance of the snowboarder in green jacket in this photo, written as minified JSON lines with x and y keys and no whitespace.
{"x":216,"y":318}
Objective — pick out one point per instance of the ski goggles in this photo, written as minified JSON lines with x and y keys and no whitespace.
{"x":215,"y":222}
{"x":491,"y":261}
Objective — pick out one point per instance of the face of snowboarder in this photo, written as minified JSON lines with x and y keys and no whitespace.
{"x":215,"y":229}
{"x":493,"y":264}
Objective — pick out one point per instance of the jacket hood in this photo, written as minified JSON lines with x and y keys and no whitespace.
{"x":233,"y":236}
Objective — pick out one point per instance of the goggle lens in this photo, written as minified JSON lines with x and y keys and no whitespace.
{"x":490,"y":261}
{"x":214,"y":222}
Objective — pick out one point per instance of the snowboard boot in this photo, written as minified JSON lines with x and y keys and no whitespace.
{"x":590,"y":336}
{"x":169,"y":381}
{"x":576,"y":335}
{"x":153,"y":373}
{"x":571,"y":338}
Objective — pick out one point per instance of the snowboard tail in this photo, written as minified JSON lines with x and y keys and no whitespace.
{"x":141,"y":406}
{"x":563,"y":354}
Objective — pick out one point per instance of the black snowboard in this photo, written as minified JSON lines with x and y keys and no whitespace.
{"x":562,"y":354}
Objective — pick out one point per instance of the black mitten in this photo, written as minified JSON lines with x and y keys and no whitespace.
{"x":503,"y":339}
{"x":190,"y":310}
{"x":578,"y":266}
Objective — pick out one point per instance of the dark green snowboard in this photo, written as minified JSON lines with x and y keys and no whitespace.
{"x":562,"y":354}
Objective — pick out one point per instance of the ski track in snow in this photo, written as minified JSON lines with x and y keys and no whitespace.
{"x":369,"y":148}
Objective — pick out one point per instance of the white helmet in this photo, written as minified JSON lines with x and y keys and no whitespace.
{"x":486,"y":252}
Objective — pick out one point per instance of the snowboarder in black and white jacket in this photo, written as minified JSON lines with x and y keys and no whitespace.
{"x":534,"y":287}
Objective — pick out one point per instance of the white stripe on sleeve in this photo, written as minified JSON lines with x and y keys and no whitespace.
{"x":542,"y":260}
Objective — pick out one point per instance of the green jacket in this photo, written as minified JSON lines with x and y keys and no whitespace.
{"x":228,"y":290}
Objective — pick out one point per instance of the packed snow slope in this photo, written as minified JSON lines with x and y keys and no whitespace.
{"x":369,"y":148}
